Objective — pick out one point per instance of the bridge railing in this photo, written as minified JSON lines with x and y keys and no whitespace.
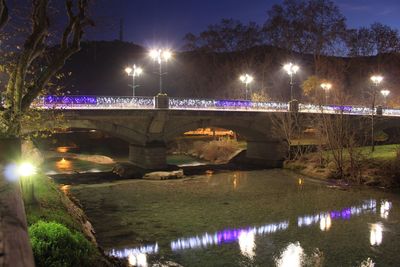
{"x":232,"y":105}
{"x":148,"y":102}
{"x":94,"y":102}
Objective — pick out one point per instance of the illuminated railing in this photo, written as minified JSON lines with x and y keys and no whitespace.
{"x":94,"y":102}
{"x":234,"y":105}
{"x":146,"y":102}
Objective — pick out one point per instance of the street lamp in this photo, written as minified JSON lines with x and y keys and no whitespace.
{"x":376,"y":79}
{"x":26,"y":170}
{"x":246,"y":79}
{"x":291,"y":69}
{"x":160,"y":55}
{"x":385,"y":94}
{"x":134,"y":72}
{"x":326,"y":87}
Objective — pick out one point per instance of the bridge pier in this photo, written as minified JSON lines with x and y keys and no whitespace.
{"x":151,"y":156}
{"x":269,"y":154}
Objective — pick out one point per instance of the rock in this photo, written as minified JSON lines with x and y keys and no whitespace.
{"x":96,"y":159}
{"x":164,"y":175}
{"x":127,"y":170}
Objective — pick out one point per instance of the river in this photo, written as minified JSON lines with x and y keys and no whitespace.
{"x":246,"y":218}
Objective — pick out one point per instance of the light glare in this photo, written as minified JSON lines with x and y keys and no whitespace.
{"x":291,"y":68}
{"x":376,"y":79}
{"x":26,"y":169}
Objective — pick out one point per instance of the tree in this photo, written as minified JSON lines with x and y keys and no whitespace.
{"x":32,"y":68}
{"x":227,"y":36}
{"x":385,"y":39}
{"x":375,"y":40}
{"x":312,"y":26}
{"x":360,"y":42}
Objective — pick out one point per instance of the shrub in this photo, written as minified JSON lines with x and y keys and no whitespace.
{"x":54,"y":244}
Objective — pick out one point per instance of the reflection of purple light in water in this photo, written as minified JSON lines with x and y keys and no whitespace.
{"x":126,"y":252}
{"x":225,"y":236}
{"x":344,"y":214}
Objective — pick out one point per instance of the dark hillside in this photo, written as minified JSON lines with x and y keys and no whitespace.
{"x":98,"y":69}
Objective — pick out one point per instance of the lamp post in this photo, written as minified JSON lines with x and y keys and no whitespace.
{"x":376,"y":80}
{"x":26,"y":170}
{"x":291,"y":69}
{"x":385,"y":94}
{"x":246,"y":79}
{"x":159,"y":56}
{"x":326,"y":87}
{"x":134,"y":72}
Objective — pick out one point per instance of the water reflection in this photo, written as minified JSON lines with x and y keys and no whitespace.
{"x":375,"y":237}
{"x":247,"y":244}
{"x":291,"y":256}
{"x":138,"y":260}
{"x":344,"y":214}
{"x":225,"y":236}
{"x":325,"y":222}
{"x":64,"y":164}
{"x":385,"y":208}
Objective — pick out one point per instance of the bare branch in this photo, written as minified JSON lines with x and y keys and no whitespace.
{"x":70,"y":44}
{"x":3,"y":13}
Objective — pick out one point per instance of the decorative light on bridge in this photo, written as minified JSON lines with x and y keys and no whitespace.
{"x":246,"y":79}
{"x":160,"y":56}
{"x":376,"y":79}
{"x":291,"y":69}
{"x":385,"y":93}
{"x":134,"y":72}
{"x":326,"y":87}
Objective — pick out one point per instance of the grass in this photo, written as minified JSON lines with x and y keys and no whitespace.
{"x":48,"y":204}
{"x":382,"y":152}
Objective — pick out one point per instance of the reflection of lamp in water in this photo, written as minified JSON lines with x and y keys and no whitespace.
{"x":291,"y":256}
{"x":301,"y":181}
{"x":234,"y":183}
{"x":65,"y":189}
{"x":325,"y":222}
{"x":375,"y":237}
{"x":247,"y":243}
{"x":138,"y":260}
{"x":385,"y":208}
{"x":63,"y":164}
{"x":62,"y":149}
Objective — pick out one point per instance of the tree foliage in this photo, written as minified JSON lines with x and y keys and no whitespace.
{"x":313,"y":26}
{"x":227,"y":36}
{"x":377,"y":39}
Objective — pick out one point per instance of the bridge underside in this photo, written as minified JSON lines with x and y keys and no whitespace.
{"x":148,"y":132}
{"x":152,"y":156}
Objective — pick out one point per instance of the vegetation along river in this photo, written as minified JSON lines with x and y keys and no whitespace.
{"x":247,"y":218}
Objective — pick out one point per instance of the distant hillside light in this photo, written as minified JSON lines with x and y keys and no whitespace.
{"x":160,"y":55}
{"x":246,"y":79}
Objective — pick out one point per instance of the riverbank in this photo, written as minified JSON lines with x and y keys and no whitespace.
{"x":380,"y":168}
{"x":52,"y":205}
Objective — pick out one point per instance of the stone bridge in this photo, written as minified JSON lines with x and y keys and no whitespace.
{"x":148,"y":123}
{"x":148,"y":131}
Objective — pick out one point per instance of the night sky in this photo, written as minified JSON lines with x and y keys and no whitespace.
{"x":154,"y":22}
